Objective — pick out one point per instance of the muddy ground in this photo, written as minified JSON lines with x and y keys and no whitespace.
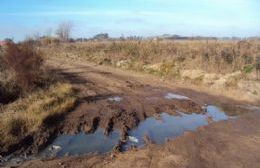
{"x":142,"y":96}
{"x":233,"y":144}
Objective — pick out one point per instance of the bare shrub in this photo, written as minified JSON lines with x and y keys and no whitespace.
{"x":64,"y":30}
{"x":9,"y":90}
{"x":227,"y":56}
{"x":26,"y":63}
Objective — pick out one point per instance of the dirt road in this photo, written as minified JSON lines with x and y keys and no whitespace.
{"x":114,"y":99}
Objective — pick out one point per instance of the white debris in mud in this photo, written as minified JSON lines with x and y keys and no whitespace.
{"x":55,"y":147}
{"x":116,"y":99}
{"x":175,"y":96}
{"x":133,"y":139}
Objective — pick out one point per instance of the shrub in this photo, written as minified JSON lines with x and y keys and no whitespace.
{"x":9,"y":90}
{"x":25,"y":62}
{"x":248,"y":59}
{"x":227,"y":56}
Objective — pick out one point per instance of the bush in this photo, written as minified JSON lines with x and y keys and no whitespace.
{"x":9,"y":90}
{"x":227,"y":56}
{"x":26,"y":62}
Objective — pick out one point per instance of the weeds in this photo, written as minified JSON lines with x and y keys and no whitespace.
{"x":248,"y":69}
{"x":29,"y":113}
{"x":211,"y":56}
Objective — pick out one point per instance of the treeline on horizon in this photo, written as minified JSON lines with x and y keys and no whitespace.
{"x":64,"y":30}
{"x":105,"y":36}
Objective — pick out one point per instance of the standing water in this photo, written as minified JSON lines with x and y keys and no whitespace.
{"x":158,"y":130}
{"x":171,"y":126}
{"x":82,"y":143}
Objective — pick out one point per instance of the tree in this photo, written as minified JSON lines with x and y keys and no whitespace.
{"x":101,"y":36}
{"x":64,"y":30}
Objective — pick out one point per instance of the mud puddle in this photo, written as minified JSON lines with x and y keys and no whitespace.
{"x":67,"y":145}
{"x":158,"y":130}
{"x":155,"y":129}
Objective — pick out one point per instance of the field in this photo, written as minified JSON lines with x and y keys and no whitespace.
{"x":81,"y":87}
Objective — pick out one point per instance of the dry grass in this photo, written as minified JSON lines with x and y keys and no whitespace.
{"x":29,"y":113}
{"x":210,"y":56}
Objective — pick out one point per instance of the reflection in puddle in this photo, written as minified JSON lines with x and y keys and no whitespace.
{"x":82,"y":143}
{"x":171,"y":126}
{"x":215,"y":114}
{"x":175,"y":96}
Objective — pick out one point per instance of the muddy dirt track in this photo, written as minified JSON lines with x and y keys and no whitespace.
{"x":233,"y":144}
{"x":97,"y":87}
{"x":141,"y":96}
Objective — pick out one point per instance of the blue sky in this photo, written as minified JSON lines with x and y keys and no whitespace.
{"x":19,"y":18}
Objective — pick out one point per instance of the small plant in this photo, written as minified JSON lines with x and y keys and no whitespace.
{"x":255,"y":92}
{"x":248,"y":69}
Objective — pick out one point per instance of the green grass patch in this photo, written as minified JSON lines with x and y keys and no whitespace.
{"x":248,"y":69}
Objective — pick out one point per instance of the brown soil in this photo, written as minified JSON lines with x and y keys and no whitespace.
{"x":142,"y":96}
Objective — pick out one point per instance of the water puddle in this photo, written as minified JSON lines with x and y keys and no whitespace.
{"x":175,"y":96}
{"x":167,"y":126}
{"x":82,"y":144}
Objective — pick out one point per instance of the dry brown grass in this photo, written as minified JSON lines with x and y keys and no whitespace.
{"x":210,"y":56}
{"x":28,"y":114}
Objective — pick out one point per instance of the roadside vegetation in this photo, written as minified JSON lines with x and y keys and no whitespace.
{"x":211,"y":56}
{"x":29,"y":94}
{"x":28,"y":114}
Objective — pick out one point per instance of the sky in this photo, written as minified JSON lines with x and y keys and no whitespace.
{"x":21,"y":18}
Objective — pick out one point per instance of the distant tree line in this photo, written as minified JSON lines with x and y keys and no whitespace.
{"x":63,"y":33}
